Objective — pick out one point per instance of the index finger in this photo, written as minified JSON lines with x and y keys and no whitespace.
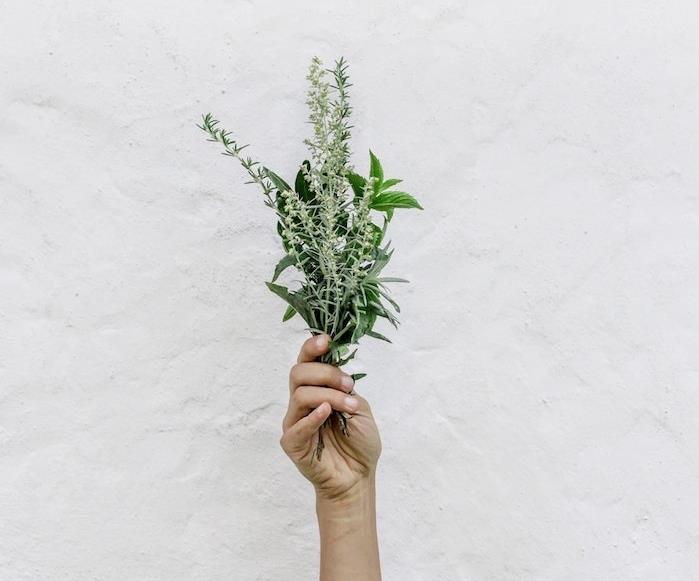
{"x":313,"y":348}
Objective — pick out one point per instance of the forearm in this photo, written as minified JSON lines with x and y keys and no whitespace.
{"x":349,"y":548}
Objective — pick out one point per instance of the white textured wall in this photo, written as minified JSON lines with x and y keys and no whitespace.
{"x":539,"y":406}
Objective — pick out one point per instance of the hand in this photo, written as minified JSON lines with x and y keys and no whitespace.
{"x":316,"y":389}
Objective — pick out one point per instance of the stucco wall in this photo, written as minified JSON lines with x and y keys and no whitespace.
{"x":539,"y":405}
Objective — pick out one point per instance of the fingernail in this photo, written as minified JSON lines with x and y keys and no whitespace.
{"x":320,"y":340}
{"x":351,"y":402}
{"x":347,"y":382}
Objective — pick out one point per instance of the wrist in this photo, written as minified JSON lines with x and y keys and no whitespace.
{"x":362,"y":493}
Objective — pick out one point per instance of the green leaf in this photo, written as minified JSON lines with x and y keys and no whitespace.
{"x":376,"y":171}
{"x":390,"y":317}
{"x":389,"y":214}
{"x":392,"y":279}
{"x":280,"y":231}
{"x":293,"y":299}
{"x":283,"y":264}
{"x":280,"y":203}
{"x":358,"y":184}
{"x":278,"y":182}
{"x":378,"y":234}
{"x":376,"y":335}
{"x":358,"y":376}
{"x":361,"y":325}
{"x":301,"y":185}
{"x":390,"y":183}
{"x":388,"y":297}
{"x":290,"y":312}
{"x":371,"y":318}
{"x":386,"y":201}
{"x":381,"y":260}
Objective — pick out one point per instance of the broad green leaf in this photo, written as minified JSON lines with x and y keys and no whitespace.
{"x":278,"y":182}
{"x":301,"y":185}
{"x":376,"y":171}
{"x":392,"y":279}
{"x":358,"y":183}
{"x":288,"y":314}
{"x":390,"y":183}
{"x":283,"y":264}
{"x":386,"y":201}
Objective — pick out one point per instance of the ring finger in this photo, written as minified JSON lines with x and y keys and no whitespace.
{"x":308,"y":397}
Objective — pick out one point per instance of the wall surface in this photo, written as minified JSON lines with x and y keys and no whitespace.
{"x":539,"y":404}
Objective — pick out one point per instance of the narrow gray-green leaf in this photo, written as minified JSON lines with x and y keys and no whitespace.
{"x":388,"y":297}
{"x":283,"y":264}
{"x":376,"y":335}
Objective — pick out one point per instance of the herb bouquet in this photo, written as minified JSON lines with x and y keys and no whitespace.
{"x":326,"y":224}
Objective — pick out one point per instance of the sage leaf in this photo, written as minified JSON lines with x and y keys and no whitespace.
{"x":279,"y":183}
{"x":294,"y":300}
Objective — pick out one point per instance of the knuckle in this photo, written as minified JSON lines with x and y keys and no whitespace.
{"x":330,"y":376}
{"x":299,"y":396}
{"x":295,"y":374}
{"x":336,"y":397}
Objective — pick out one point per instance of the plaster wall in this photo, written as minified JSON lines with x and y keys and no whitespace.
{"x":539,"y":404}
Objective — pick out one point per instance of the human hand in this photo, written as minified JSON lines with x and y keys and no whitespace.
{"x":315,"y":390}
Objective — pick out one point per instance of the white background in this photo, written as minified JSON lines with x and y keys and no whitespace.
{"x":539,"y":405}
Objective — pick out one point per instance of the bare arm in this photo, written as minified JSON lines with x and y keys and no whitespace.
{"x":344,"y":477}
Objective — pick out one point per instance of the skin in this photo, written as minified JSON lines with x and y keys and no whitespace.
{"x":344,"y":478}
